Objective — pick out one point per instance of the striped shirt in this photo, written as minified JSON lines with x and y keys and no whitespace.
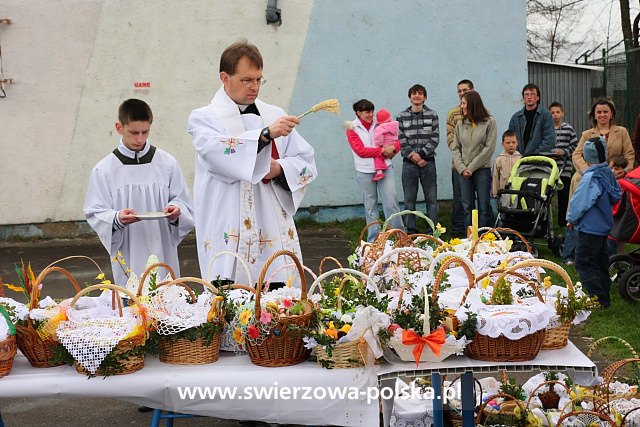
{"x":567,"y":140}
{"x":419,"y":132}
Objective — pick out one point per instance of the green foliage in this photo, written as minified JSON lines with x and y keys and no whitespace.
{"x":111,"y":365}
{"x":411,"y":317}
{"x":502,"y":293}
{"x":469,"y":327}
{"x":567,"y":307}
{"x":513,"y":389}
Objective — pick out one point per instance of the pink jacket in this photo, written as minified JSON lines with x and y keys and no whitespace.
{"x":385,"y":134}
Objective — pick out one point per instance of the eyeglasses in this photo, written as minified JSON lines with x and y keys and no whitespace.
{"x":250,"y":82}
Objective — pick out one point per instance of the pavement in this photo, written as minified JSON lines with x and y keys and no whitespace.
{"x":81,"y":412}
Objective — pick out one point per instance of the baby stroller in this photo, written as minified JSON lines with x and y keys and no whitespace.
{"x":624,"y":269}
{"x":525,"y":202}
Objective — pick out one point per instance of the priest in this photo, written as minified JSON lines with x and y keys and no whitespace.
{"x":252,"y":170}
{"x":138,"y":181}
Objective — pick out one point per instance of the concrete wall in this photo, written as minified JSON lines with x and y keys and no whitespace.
{"x":75,"y":61}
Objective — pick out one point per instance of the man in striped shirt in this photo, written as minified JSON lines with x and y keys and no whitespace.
{"x":419,"y":136}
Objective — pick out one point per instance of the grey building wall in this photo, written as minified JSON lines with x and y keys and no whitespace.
{"x":568,"y":84}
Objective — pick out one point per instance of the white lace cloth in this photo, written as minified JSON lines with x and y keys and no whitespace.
{"x":624,"y":406}
{"x":512,"y":321}
{"x":169,"y":306}
{"x":94,"y":329}
{"x":411,"y":412}
{"x":20,"y":310}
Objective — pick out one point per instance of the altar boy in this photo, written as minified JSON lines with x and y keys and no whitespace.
{"x":135,"y":182}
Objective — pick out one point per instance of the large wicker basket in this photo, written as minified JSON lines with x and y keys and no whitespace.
{"x":556,"y":337}
{"x":8,"y":347}
{"x":38,"y":351}
{"x":352,"y":354}
{"x":282,"y":346}
{"x":501,"y":348}
{"x":131,"y":363}
{"x":181,"y":351}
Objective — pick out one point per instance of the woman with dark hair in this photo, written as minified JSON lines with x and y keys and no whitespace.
{"x":474,"y":142}
{"x":360,"y":136}
{"x":602,"y":115}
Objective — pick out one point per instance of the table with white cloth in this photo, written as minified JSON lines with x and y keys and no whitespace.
{"x":159,"y":385}
{"x":569,"y":359}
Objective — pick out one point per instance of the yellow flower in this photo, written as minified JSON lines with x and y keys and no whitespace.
{"x":455,"y":241}
{"x":489,"y":237}
{"x":127,"y":270}
{"x":237,"y":336}
{"x":485,"y":282}
{"x":244,"y":317}
{"x":454,"y":333}
{"x":547,"y":282}
{"x":336,"y":292}
{"x":105,"y":282}
{"x":100,"y":276}
{"x":119,"y":254}
{"x":331,"y":325}
{"x":440,"y":228}
{"x":346,"y":328}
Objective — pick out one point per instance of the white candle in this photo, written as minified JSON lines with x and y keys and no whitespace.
{"x":426,"y":327}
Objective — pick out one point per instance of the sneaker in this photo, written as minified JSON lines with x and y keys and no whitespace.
{"x":378,"y":176}
{"x":569,"y":262}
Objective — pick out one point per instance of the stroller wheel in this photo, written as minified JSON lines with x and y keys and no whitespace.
{"x":557,"y":245}
{"x":629,"y":287}
{"x":618,"y":265}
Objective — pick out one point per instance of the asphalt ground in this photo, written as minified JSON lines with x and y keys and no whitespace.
{"x":81,"y":412}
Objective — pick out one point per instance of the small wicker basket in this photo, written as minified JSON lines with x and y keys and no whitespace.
{"x":181,"y":351}
{"x":38,"y":351}
{"x":281,"y":347}
{"x":131,"y":363}
{"x":352,"y":354}
{"x":8,"y":347}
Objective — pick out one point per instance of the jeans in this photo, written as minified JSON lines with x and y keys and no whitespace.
{"x":457,"y":213}
{"x":563,"y":201}
{"x":570,"y":241}
{"x":412,"y":177}
{"x":477,"y":187}
{"x":592,"y":264}
{"x":386,"y":189}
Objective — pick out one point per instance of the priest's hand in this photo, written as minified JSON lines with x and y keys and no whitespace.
{"x":283,"y":126}
{"x":173,"y":211}
{"x":274,"y":171}
{"x":127,"y":216}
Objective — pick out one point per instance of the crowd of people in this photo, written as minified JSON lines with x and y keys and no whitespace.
{"x":252,"y":169}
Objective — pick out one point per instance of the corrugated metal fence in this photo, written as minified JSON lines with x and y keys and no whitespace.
{"x":567,"y":84}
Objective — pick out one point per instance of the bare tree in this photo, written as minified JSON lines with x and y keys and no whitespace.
{"x":550,"y":24}
{"x":625,"y":17}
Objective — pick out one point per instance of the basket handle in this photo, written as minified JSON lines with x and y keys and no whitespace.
{"x":417,"y":237}
{"x":396,"y":251}
{"x":542,"y":384}
{"x":282,"y":267}
{"x":450,"y":258}
{"x":216,"y":304}
{"x":346,"y":271}
{"x":600,"y":415}
{"x":115,"y":288}
{"x":325,"y":259}
{"x":612,"y":338}
{"x":35,"y":290}
{"x":378,"y":222}
{"x":150,"y":269}
{"x":497,"y":231}
{"x":546,"y":264}
{"x":235,"y":255}
{"x":408,"y":212}
{"x":263,"y":272}
{"x":476,"y":382}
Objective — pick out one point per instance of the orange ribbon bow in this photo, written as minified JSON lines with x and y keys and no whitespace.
{"x":435,"y":341}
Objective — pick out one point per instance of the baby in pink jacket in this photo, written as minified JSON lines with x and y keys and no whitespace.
{"x":385,"y":133}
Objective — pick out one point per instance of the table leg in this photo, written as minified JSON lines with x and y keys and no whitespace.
{"x":468,"y":399}
{"x":438,"y":414}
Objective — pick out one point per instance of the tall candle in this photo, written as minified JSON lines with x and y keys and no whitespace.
{"x":427,"y":321}
{"x":474,"y":225}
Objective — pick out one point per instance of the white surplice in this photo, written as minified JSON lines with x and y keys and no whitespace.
{"x":146,"y":187}
{"x":234,"y":209}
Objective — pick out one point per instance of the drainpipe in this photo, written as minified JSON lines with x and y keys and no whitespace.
{"x":273,"y":14}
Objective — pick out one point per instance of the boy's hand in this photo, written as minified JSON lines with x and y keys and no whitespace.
{"x":569,"y":226}
{"x":173,"y":211}
{"x":127,"y":216}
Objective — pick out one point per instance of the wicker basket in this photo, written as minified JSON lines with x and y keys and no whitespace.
{"x":352,"y":354}
{"x":149,"y":270}
{"x":38,"y":351}
{"x":131,"y":363}
{"x":556,"y":337}
{"x":281,"y":347}
{"x":507,"y":409}
{"x":181,"y":351}
{"x":8,"y":347}
{"x":496,"y":232}
{"x":501,"y":348}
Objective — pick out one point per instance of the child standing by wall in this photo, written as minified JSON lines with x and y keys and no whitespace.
{"x":503,"y":164}
{"x":590,"y":213}
{"x":386,"y":133}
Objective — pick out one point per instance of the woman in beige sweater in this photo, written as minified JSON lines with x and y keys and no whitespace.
{"x":474,"y":142}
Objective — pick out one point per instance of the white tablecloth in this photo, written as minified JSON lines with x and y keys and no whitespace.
{"x":157,"y":386}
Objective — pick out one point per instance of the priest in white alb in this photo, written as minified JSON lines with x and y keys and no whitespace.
{"x":138,"y":202}
{"x":252,"y":170}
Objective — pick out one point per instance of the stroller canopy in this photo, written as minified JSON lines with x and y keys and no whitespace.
{"x":541,"y":167}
